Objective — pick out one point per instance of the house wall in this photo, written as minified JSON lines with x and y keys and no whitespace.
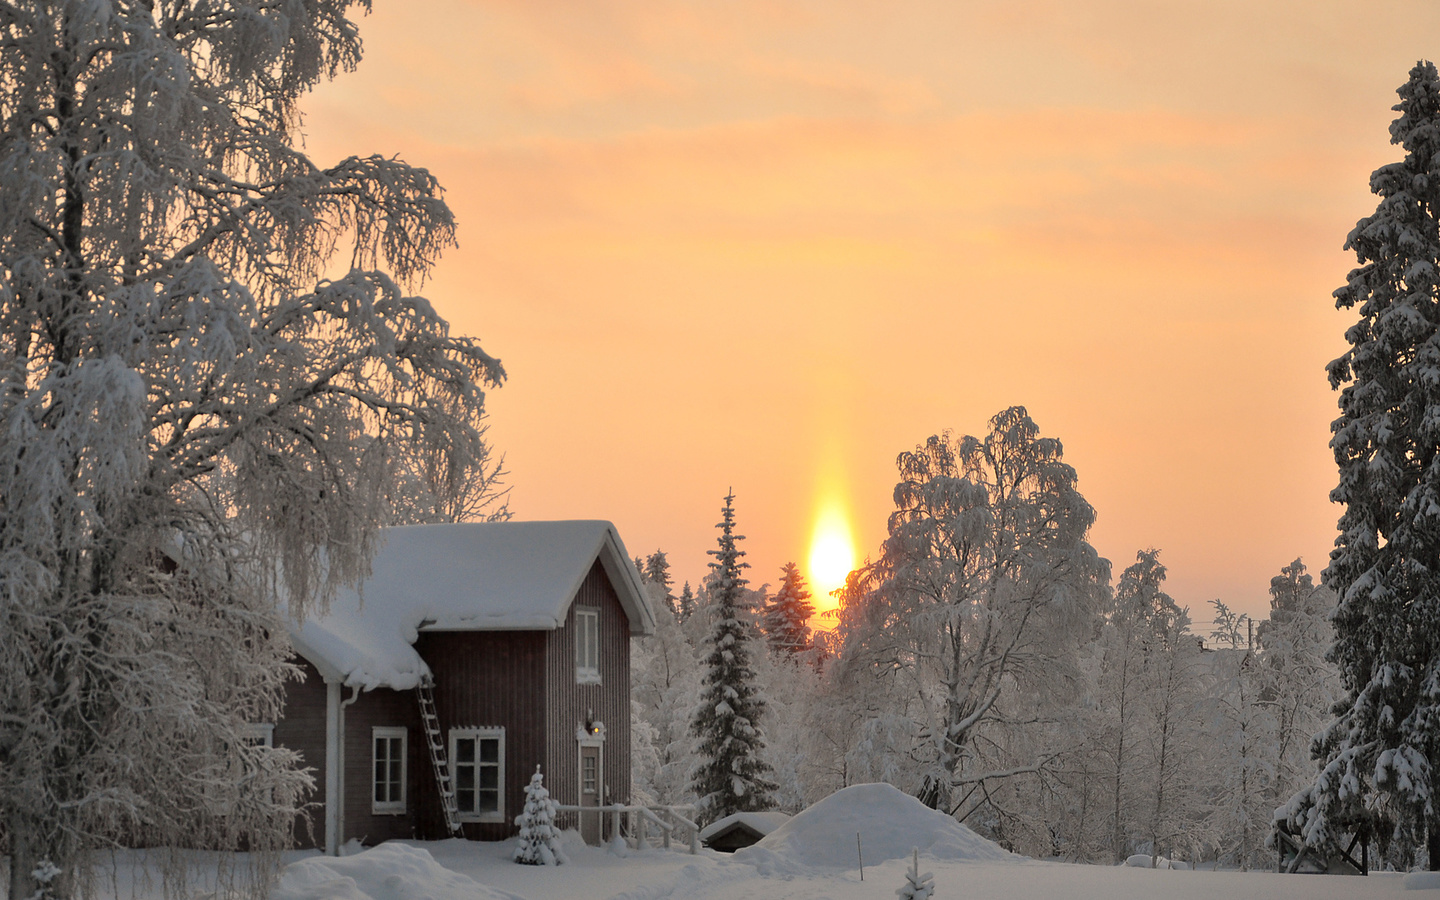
{"x":302,"y":728}
{"x":487,"y":679}
{"x":522,"y":681}
{"x":382,"y":707}
{"x":570,"y":704}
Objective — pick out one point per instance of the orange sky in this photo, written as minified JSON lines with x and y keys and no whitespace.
{"x":770,"y":245}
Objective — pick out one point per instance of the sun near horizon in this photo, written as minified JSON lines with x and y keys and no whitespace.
{"x":832,"y":555}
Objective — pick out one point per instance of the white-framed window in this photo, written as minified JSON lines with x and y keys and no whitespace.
{"x":389,"y":745}
{"x":477,"y":765}
{"x":589,"y":773}
{"x":259,"y":734}
{"x":587,"y":646}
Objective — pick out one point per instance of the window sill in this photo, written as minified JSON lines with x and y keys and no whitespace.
{"x":483,"y":818}
{"x":387,"y":810}
{"x":582,"y":677}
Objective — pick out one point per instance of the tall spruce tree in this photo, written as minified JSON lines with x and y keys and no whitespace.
{"x":786,"y":618}
{"x":1380,"y":755}
{"x":685,"y":606}
{"x":657,"y":571}
{"x":731,"y":777}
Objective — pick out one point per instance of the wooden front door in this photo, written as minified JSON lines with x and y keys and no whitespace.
{"x":590,"y":794}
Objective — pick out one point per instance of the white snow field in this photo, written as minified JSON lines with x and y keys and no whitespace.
{"x":811,"y":857}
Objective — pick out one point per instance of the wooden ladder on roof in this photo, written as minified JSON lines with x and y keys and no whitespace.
{"x":436,"y":745}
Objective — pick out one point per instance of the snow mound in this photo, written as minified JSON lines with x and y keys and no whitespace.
{"x":386,"y":872}
{"x":1422,"y":881}
{"x":1142,"y":861}
{"x":889,"y":822}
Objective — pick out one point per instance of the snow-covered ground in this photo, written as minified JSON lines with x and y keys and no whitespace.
{"x":810,"y":857}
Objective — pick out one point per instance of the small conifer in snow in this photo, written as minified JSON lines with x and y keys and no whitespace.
{"x":916,"y":886}
{"x":539,"y":838}
{"x":731,"y":777}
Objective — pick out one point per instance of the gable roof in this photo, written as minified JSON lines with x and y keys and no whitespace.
{"x":473,"y":576}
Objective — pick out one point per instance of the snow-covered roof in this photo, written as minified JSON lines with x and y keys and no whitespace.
{"x":481,"y":576}
{"x":762,"y":823}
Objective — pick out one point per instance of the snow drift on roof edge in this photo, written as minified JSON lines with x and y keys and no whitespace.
{"x":468,"y":576}
{"x":889,"y":822}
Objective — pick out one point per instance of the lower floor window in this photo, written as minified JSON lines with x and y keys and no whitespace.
{"x":389,"y":781}
{"x":477,"y":762}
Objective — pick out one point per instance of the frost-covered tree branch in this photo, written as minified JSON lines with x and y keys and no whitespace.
{"x":194,"y":419}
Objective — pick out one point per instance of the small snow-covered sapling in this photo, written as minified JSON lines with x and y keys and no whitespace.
{"x":916,"y":886}
{"x":539,"y":838}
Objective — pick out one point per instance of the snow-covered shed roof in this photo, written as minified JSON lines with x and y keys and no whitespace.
{"x":760,"y":823}
{"x":474,"y":576}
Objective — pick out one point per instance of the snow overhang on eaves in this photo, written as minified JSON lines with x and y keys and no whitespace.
{"x":628,"y":585}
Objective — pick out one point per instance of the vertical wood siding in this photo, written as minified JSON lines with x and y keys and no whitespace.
{"x":386,"y":708}
{"x":487,"y":679}
{"x":522,"y":681}
{"x":570,"y":703}
{"x":301,"y":728}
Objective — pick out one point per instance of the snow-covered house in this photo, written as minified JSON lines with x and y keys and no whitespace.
{"x":472,"y":654}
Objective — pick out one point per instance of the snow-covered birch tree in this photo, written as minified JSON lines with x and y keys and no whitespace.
{"x":1143,"y":614}
{"x":732,"y":775}
{"x":1380,"y":757}
{"x":986,"y":584}
{"x":665,"y":685}
{"x":1297,"y":685}
{"x":194,"y":418}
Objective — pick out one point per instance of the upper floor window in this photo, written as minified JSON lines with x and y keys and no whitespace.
{"x":587,"y":646}
{"x":258,"y":734}
{"x":388,"y":795}
{"x":477,"y":763}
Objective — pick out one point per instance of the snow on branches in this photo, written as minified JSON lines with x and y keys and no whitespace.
{"x":194,"y":420}
{"x":732,"y":777}
{"x":1378,"y":757}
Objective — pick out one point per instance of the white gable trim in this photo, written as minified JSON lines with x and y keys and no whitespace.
{"x":628,"y":586}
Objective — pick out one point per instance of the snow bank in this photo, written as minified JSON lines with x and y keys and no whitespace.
{"x":1422,"y":881}
{"x":1142,"y":861}
{"x":387,"y":872}
{"x":889,"y":822}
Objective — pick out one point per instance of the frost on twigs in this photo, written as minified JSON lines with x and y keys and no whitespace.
{"x":193,"y":420}
{"x":984,"y":587}
{"x":539,"y":841}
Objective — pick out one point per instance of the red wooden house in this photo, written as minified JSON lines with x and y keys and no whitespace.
{"x":472,"y":654}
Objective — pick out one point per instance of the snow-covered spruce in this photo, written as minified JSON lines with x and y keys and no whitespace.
{"x":195,"y":417}
{"x":785,"y":621}
{"x":539,"y":841}
{"x":731,"y":776}
{"x":1380,"y":756}
{"x":916,"y":886}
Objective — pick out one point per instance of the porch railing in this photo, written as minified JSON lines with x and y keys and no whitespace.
{"x":634,"y":824}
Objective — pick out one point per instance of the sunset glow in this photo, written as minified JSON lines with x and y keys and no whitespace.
{"x":863,"y":224}
{"x":832,"y":555}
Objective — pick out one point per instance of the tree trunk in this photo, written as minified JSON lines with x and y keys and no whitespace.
{"x":22,"y":860}
{"x":1432,"y":841}
{"x":1117,"y":849}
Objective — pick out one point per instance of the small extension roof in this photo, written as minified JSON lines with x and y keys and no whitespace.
{"x":479,"y":576}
